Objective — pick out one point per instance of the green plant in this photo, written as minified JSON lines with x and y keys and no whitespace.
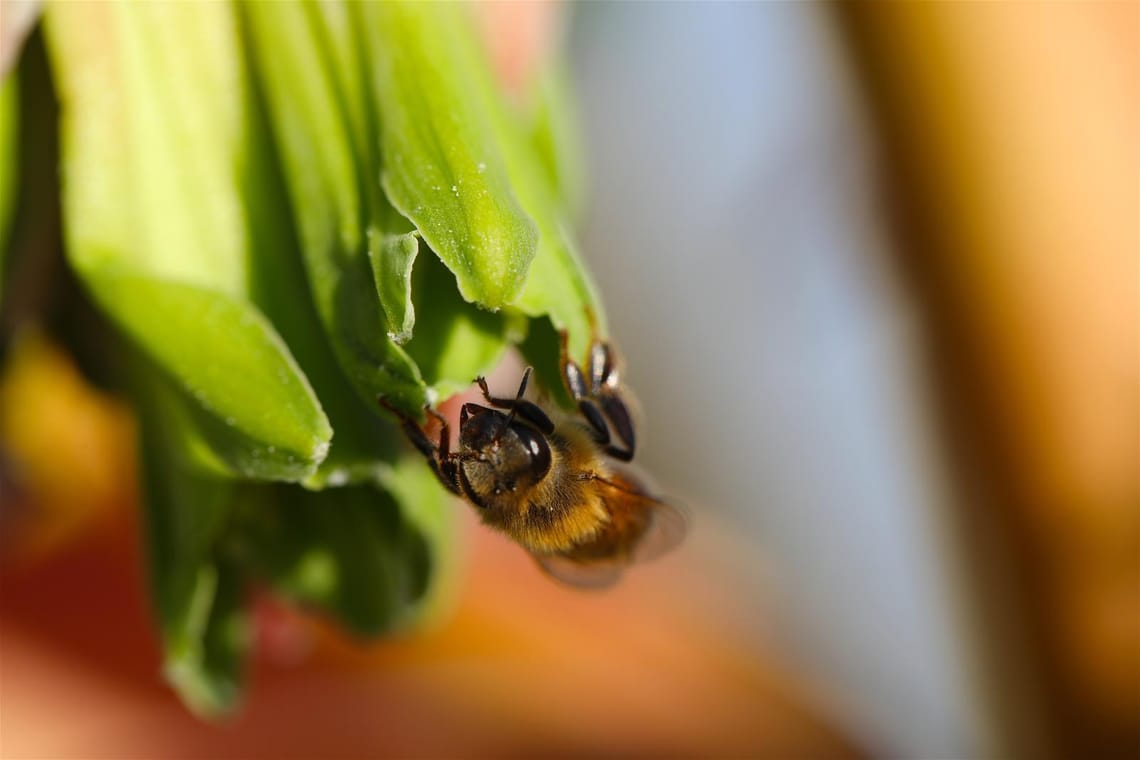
{"x":288,"y":209}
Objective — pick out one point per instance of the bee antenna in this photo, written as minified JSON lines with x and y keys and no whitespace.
{"x":518,"y":397}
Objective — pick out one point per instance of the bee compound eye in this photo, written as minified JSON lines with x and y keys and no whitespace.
{"x":537,"y":450}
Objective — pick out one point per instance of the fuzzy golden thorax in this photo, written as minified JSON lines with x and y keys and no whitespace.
{"x":538,"y":489}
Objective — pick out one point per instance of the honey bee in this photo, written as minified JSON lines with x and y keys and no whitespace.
{"x":556,"y":482}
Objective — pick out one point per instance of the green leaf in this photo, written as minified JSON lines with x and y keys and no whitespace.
{"x":455,"y":342}
{"x":309,"y":96}
{"x":247,"y":188}
{"x":360,"y":254}
{"x":476,"y":180}
{"x":368,"y":555}
{"x":9,"y":163}
{"x":392,"y":258}
{"x":554,"y":134}
{"x":155,"y":129}
{"x":346,"y":551}
{"x":541,"y":350}
{"x":254,"y":405}
{"x":186,"y":509}
{"x":197,"y":598}
{"x":205,"y":657}
{"x":279,"y":285}
{"x":442,"y":166}
{"x":392,"y":241}
{"x":429,"y":510}
{"x":153,"y":113}
{"x":559,"y":286}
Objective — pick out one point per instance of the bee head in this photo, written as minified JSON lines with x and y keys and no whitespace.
{"x":504,"y":453}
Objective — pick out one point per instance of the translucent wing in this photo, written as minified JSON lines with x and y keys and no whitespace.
{"x":646,"y":528}
{"x":666,"y":522}
{"x":595,"y":575}
{"x":667,"y":529}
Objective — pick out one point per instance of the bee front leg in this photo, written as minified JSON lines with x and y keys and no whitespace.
{"x":528,"y":410}
{"x":443,"y":463}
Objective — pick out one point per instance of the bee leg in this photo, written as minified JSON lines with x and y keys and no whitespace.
{"x":414,"y":433}
{"x":603,"y":368}
{"x":602,"y":431}
{"x":571,"y":373}
{"x":438,"y":455}
{"x":592,"y":415}
{"x":447,"y":464}
{"x":528,"y":410}
{"x":467,"y":490}
{"x":606,"y":386}
{"x":619,"y":417}
{"x":602,"y":390}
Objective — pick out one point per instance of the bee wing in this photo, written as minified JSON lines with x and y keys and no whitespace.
{"x":583,"y":575}
{"x":668,"y":522}
{"x":668,"y":525}
{"x":668,"y":528}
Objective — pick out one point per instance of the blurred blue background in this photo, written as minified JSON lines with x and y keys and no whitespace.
{"x":735,"y":226}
